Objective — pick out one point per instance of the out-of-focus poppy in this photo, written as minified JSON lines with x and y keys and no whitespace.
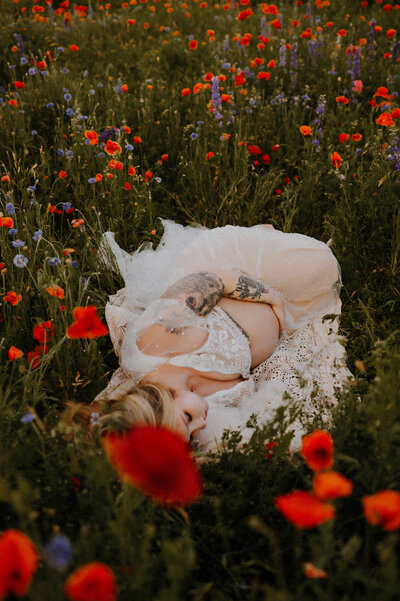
{"x":312,"y":572}
{"x":328,"y":486}
{"x":383,"y":509}
{"x":336,"y":159}
{"x":12,"y":297}
{"x":87,"y":323}
{"x":385,"y":119}
{"x":6,"y":222}
{"x":44,"y":331}
{"x":317,"y":450}
{"x":209,"y":155}
{"x":306,"y":130}
{"x":91,"y":582}
{"x":56,"y":291}
{"x":158,"y":462}
{"x":62,"y":174}
{"x":18,"y":563}
{"x":112,"y":147}
{"x":342,"y":99}
{"x":304,"y":510}
{"x":254,"y":149}
{"x":14,"y":353}
{"x":343,"y":137}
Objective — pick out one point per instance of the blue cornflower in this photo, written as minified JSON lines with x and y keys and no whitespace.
{"x":32,"y":70}
{"x":49,"y":105}
{"x":129,"y":147}
{"x":69,"y":154}
{"x":66,"y":206}
{"x":60,"y":49}
{"x":100,"y":155}
{"x":92,"y":92}
{"x":69,"y":111}
{"x":315,"y":142}
{"x":31,"y":188}
{"x":24,"y":60}
{"x":84,"y":280}
{"x":54,"y":261}
{"x":225,"y":65}
{"x":92,"y":180}
{"x":27,"y":417}
{"x":12,"y":231}
{"x":64,"y":70}
{"x":18,"y":243}
{"x":85,"y":73}
{"x":10,"y":208}
{"x":36,"y":236}
{"x":158,"y":180}
{"x":100,"y":85}
{"x":34,"y":132}
{"x":20,"y":261}
{"x":74,"y":263}
{"x":60,"y":152}
{"x":59,"y":552}
{"x":11,"y":66}
{"x":194,"y":136}
{"x":167,"y":29}
{"x":44,"y":72}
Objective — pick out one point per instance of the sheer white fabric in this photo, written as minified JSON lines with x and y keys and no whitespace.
{"x":307,"y":363}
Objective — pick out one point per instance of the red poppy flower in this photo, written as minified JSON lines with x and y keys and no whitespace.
{"x":254,"y":149}
{"x":74,"y":48}
{"x":263,"y":75}
{"x":317,"y":450}
{"x":12,"y":297}
{"x":131,"y":171}
{"x":43,"y":331}
{"x":269,"y":9}
{"x":157,"y":461}
{"x":148,"y":175}
{"x":382,"y":92}
{"x":341,"y":32}
{"x":342,"y":100}
{"x":185,"y":91}
{"x":344,"y":137}
{"x":137,"y":140}
{"x":311,"y":571}
{"x":57,"y":291}
{"x":77,"y":222}
{"x":245,"y":14}
{"x":336,"y":159}
{"x":6,"y":222}
{"x":390,"y":33}
{"x":271,"y":64}
{"x":19,"y":85}
{"x":112,"y":147}
{"x":98,"y":177}
{"x":395,"y":113}
{"x":87,"y":324}
{"x":328,"y":486}
{"x":276,"y":24}
{"x":14,"y":353}
{"x":91,"y":582}
{"x":239,"y":79}
{"x":127,"y":186}
{"x":304,"y":510}
{"x":266,"y":159}
{"x":91,"y":135}
{"x":124,"y":87}
{"x":18,"y":563}
{"x":209,"y":155}
{"x":383,"y":509}
{"x":385,"y":119}
{"x":306,"y":130}
{"x":118,"y":165}
{"x":62,"y":174}
{"x":192,"y":44}
{"x":356,"y":137}
{"x":5,"y":178}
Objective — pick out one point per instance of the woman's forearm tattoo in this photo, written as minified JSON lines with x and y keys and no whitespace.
{"x":200,"y":291}
{"x":247,"y":287}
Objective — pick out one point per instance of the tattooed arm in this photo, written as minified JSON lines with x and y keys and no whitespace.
{"x":202,"y":290}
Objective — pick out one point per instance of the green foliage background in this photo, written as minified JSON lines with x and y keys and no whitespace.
{"x":232,"y":544}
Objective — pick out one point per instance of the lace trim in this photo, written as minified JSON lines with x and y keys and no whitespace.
{"x":226,"y":350}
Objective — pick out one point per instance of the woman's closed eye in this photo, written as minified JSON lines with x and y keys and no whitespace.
{"x":188,"y":416}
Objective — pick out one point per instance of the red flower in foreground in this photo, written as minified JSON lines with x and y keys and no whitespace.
{"x":209,"y":155}
{"x":383,"y":509}
{"x":12,"y":297}
{"x":385,"y":119}
{"x":253,"y":149}
{"x":92,"y":582}
{"x":158,"y":462}
{"x":43,"y":331}
{"x":19,"y":85}
{"x":14,"y":353}
{"x":331,"y":485}
{"x":18,"y":563}
{"x":336,"y":159}
{"x":87,"y":324}
{"x":112,"y":147}
{"x":6,"y":222}
{"x":304,"y":510}
{"x":317,"y":450}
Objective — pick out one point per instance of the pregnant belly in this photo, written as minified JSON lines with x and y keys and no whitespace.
{"x":260,"y":324}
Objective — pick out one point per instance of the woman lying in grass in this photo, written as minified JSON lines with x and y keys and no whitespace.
{"x":224,"y":323}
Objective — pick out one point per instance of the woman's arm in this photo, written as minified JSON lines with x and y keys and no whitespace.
{"x":202,"y":290}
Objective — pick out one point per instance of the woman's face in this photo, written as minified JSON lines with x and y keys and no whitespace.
{"x":191,"y":409}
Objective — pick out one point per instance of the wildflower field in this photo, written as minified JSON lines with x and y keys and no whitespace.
{"x":113,"y":115}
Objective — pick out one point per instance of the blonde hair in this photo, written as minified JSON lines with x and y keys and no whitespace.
{"x":145,"y":404}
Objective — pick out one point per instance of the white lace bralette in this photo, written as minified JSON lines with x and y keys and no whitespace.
{"x":226,"y":350}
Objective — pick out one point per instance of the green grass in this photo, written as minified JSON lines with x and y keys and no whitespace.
{"x":233,"y":543}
